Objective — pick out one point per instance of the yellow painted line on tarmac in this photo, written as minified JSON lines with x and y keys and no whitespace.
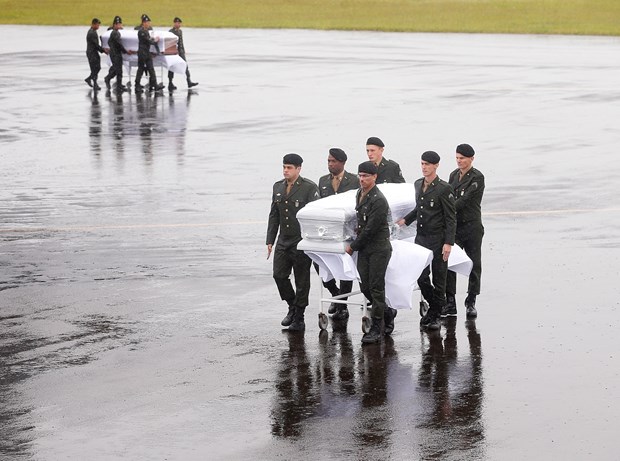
{"x":245,"y":223}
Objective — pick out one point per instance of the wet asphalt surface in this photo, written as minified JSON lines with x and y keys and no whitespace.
{"x":138,"y":317}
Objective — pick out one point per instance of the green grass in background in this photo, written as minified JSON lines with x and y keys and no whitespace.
{"x":581,"y":17}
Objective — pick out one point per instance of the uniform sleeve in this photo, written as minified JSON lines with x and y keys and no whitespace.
{"x":93,"y":39}
{"x":376,"y":219}
{"x":98,"y":44}
{"x":398,"y":174}
{"x":449,"y":210}
{"x":120,"y":44}
{"x":473,"y":193}
{"x":273,"y":223}
{"x":411,"y":216}
{"x":144,"y":35}
{"x":313,"y":193}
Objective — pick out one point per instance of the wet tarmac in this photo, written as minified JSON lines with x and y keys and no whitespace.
{"x":138,"y":316}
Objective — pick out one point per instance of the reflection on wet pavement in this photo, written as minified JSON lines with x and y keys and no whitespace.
{"x":371,"y":392}
{"x":138,"y":314}
{"x":456,"y":387}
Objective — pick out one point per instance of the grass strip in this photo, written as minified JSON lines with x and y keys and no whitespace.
{"x":578,"y":17}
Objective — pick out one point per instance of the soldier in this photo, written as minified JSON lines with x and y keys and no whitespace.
{"x":141,"y":72}
{"x":145,"y":60}
{"x":116,"y":56}
{"x":93,"y":48}
{"x":435,"y":215}
{"x":388,"y":170}
{"x":289,"y":196}
{"x":373,"y":246}
{"x":176,"y":30}
{"x":468,"y":185}
{"x":337,"y":181}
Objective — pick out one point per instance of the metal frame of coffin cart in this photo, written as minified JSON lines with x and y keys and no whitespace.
{"x":405,"y":267}
{"x":327,"y":226}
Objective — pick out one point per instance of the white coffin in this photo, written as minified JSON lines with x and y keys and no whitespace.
{"x":129,"y":38}
{"x":168,"y":59}
{"x":327,"y":224}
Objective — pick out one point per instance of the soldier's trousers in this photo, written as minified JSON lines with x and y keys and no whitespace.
{"x":469,"y":237}
{"x":94,"y":62}
{"x":332,"y":285}
{"x":171,"y":74}
{"x":434,"y":292}
{"x":371,"y":266}
{"x":285,"y":260}
{"x":145,"y":64}
{"x":116,"y":70}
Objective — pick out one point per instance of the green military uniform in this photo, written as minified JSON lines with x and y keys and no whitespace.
{"x":468,"y":192}
{"x":435,"y":217}
{"x":181,"y":50}
{"x":283,"y":221}
{"x":93,"y":48}
{"x":373,"y":246}
{"x":389,"y":171}
{"x":348,"y":182}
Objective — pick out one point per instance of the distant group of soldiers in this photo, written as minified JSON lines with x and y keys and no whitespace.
{"x":445,"y":213}
{"x":145,"y":58}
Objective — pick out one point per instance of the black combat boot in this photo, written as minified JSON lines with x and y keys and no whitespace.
{"x":375,"y":334}
{"x":449,"y":310}
{"x":95,"y":86}
{"x":298,"y":320}
{"x":470,"y":305}
{"x":88,"y":81}
{"x":171,"y":86}
{"x":191,"y":84}
{"x":389,"y":315}
{"x":430,"y":321}
{"x":288,"y":319}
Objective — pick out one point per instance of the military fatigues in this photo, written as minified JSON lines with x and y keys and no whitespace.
{"x":116,"y":56}
{"x":145,"y":60}
{"x":389,"y":171}
{"x":93,"y":48}
{"x":469,"y":230}
{"x":435,"y":217}
{"x":181,"y":49}
{"x":286,"y":257}
{"x":348,"y":182}
{"x":373,"y":246}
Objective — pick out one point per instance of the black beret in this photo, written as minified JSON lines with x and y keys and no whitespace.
{"x":96,"y":21}
{"x":177,"y":19}
{"x":374,"y":141}
{"x":338,"y":154}
{"x":466,"y":150}
{"x":292,"y":159}
{"x":145,"y":17}
{"x":117,"y":20}
{"x":367,"y":167}
{"x":431,"y":157}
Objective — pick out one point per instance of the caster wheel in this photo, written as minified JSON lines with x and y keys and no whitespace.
{"x":423,"y":308}
{"x":366,"y":324}
{"x":323,"y":337}
{"x":323,"y":321}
